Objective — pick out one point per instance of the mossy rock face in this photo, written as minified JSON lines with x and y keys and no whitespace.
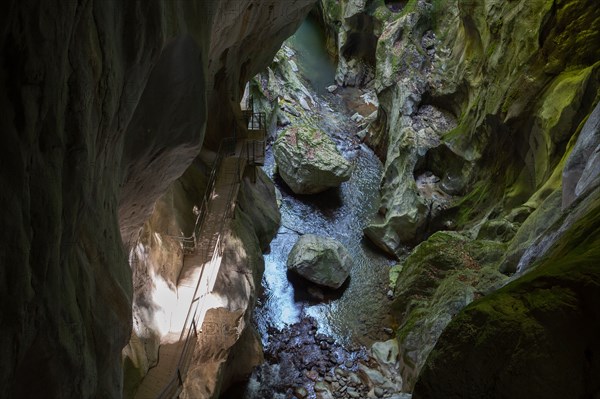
{"x":516,"y":84}
{"x":350,"y":39}
{"x":309,"y":161}
{"x":497,"y":230}
{"x":441,"y":276}
{"x":533,"y":227}
{"x":279,"y":92}
{"x":537,"y":337}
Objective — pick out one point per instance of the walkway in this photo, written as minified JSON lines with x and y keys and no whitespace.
{"x":199,"y":273}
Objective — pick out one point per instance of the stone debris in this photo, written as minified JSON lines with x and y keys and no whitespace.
{"x":310,"y":364}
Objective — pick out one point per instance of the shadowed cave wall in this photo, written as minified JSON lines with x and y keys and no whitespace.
{"x":104,"y":104}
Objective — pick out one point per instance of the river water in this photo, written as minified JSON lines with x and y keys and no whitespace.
{"x":312,"y":56}
{"x":356,"y":314}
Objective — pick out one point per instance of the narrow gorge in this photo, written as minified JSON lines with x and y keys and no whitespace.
{"x":319,"y":199}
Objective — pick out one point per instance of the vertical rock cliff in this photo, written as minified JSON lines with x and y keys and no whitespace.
{"x":485,"y":126}
{"x":104,"y":105}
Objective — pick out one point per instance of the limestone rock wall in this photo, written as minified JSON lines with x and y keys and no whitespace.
{"x":246,"y":35}
{"x":482,"y":104}
{"x":512,"y":90}
{"x":536,"y":337}
{"x":351,"y":38}
{"x":156,"y":260}
{"x":104,"y":105}
{"x":73,"y":75}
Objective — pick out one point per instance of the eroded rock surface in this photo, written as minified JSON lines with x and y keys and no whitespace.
{"x":506,"y":122}
{"x":229,"y":346}
{"x":99,"y":117}
{"x":480,"y":105}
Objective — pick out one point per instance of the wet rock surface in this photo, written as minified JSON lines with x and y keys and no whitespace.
{"x":321,"y":260}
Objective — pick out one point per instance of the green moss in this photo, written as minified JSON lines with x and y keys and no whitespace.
{"x":468,"y":208}
{"x":440,"y":277}
{"x":409,"y":324}
{"x":536,"y":329}
{"x":394,"y":273}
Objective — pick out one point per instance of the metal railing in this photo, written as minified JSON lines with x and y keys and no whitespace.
{"x":197,"y":309}
{"x":253,"y":149}
{"x":256,"y":123}
{"x":189,"y":243}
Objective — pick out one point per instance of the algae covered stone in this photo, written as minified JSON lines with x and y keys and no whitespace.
{"x":321,"y":260}
{"x":536,"y":337}
{"x":440,"y":277}
{"x":308,"y":160}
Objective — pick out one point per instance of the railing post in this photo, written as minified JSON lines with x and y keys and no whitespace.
{"x":179,"y":377}
{"x":195,"y":329}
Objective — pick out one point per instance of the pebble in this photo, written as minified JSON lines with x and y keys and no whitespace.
{"x":317,"y":360}
{"x":311,"y":375}
{"x":320,"y":387}
{"x":354,"y":379}
{"x":300,"y":392}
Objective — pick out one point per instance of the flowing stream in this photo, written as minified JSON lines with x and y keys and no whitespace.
{"x":355,"y":315}
{"x":351,"y":314}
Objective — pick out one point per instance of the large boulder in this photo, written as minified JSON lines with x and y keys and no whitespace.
{"x":308,"y":160}
{"x":321,"y":260}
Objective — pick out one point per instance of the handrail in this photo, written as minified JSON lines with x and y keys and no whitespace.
{"x":191,"y":329}
{"x":189,"y":243}
{"x":256,"y":122}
